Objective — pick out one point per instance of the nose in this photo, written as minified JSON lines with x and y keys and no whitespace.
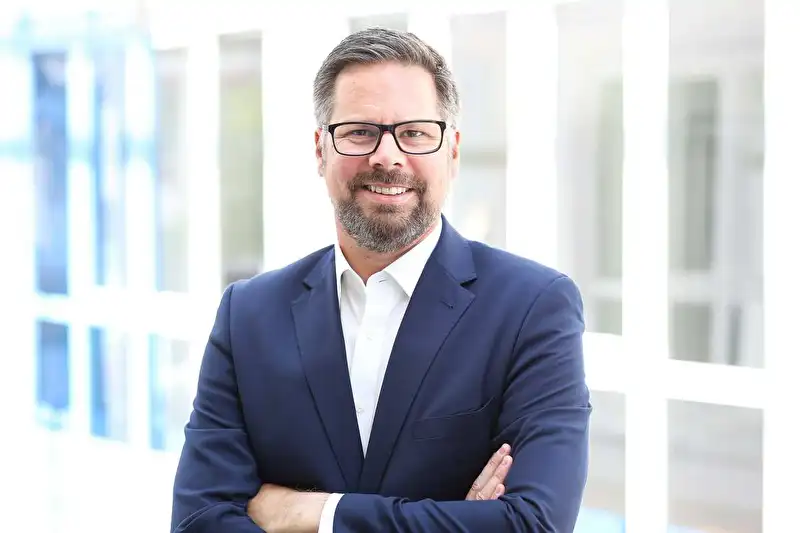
{"x":387,"y":155}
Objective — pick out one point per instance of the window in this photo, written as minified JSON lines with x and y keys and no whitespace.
{"x":241,"y":159}
{"x":479,"y":193}
{"x":173,"y":381}
{"x":52,"y":390}
{"x":172,"y":225}
{"x":110,"y":354}
{"x":50,"y":166}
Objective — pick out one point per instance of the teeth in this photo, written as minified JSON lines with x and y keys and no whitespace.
{"x":391,"y":191}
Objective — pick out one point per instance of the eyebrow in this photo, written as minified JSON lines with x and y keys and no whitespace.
{"x":372,"y":121}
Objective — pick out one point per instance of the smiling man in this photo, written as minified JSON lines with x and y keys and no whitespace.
{"x":365,"y":387}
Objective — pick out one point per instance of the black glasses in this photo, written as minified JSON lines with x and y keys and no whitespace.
{"x":414,"y":137}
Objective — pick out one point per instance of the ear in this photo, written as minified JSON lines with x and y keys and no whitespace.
{"x":319,"y":150}
{"x":456,"y":147}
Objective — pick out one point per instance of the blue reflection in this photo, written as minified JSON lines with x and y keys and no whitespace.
{"x":52,"y":379}
{"x":50,"y":163}
{"x":98,"y":383}
{"x":158,"y":397}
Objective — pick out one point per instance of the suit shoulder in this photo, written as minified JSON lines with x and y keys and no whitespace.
{"x":515,"y":269}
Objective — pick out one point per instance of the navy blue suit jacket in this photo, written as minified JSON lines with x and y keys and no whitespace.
{"x":489,"y":351}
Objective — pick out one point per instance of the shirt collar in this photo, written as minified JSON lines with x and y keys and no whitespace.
{"x":406,"y":270}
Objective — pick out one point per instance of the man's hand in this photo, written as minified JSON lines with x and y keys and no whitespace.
{"x":280,"y":510}
{"x":489,"y":484}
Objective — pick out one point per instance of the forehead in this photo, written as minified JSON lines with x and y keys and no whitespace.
{"x":385,"y":92}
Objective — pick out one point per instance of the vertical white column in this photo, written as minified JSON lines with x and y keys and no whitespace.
{"x":531,"y":118}
{"x":298,"y":217}
{"x":202,"y":159}
{"x":140,"y":200}
{"x":432,"y":25}
{"x":80,"y":74}
{"x":18,"y":245}
{"x":781,"y":262}
{"x":645,"y":259}
{"x":21,"y":459}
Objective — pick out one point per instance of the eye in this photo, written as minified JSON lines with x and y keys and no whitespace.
{"x":355,"y":131}
{"x":414,"y":134}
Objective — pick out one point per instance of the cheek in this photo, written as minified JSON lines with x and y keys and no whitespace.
{"x":436,"y":172}
{"x":340,"y":171}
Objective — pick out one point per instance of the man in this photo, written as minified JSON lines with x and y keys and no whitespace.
{"x":364,"y":387}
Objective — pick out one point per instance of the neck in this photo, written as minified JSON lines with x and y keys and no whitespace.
{"x":365,"y":262}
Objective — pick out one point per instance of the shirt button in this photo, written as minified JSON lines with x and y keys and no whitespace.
{"x":359,"y":410}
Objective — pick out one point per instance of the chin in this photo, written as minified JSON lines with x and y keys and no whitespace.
{"x":396,"y":217}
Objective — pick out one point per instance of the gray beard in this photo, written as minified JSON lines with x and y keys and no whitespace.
{"x":386,"y":231}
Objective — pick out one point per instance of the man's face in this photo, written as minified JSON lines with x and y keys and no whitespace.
{"x":388,"y":199}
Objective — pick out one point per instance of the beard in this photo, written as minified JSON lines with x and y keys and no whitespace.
{"x":388,"y":228}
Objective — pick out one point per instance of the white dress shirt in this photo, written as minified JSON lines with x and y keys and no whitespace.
{"x":371,"y":314}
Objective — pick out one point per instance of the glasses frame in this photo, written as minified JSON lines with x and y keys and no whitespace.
{"x":384,"y":128}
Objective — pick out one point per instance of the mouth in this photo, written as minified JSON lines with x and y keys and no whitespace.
{"x":388,"y":195}
{"x":387,"y":191}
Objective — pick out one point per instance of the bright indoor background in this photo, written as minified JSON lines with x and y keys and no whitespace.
{"x":150,"y":155}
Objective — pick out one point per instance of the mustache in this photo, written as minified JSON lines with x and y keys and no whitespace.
{"x":396,"y":178}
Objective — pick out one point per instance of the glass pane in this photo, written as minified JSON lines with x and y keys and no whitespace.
{"x":590,"y":154}
{"x":479,"y":193}
{"x":693,"y":159}
{"x":396,"y":21}
{"x":604,"y":316}
{"x":109,"y":360}
{"x":690,"y":332}
{"x":715,"y":467}
{"x":50,"y":164}
{"x":110,"y":206}
{"x":174,"y":382}
{"x":716,"y":144}
{"x":172,"y":225}
{"x":610,"y":140}
{"x":52,"y":367}
{"x":604,"y":499}
{"x":241,"y":157}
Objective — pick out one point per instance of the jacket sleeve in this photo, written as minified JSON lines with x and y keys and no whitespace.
{"x":545,"y":418}
{"x":216,"y":475}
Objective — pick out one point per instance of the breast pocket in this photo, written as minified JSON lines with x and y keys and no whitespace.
{"x":474,"y":424}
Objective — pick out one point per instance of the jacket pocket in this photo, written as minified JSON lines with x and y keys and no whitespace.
{"x":468,"y":424}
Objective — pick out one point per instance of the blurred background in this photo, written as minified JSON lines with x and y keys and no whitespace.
{"x":151,"y":153}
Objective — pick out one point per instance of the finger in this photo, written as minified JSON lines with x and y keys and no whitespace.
{"x":488,"y":470}
{"x":490,"y":490}
{"x":499,"y":491}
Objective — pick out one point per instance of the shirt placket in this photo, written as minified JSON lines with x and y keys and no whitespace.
{"x":368,"y":356}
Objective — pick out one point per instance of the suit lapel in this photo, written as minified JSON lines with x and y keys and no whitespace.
{"x":436,"y":306}
{"x":319,"y":336}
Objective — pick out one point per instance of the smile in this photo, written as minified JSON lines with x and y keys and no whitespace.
{"x":387,"y":191}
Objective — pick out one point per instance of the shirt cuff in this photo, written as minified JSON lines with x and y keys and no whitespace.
{"x":328,"y":513}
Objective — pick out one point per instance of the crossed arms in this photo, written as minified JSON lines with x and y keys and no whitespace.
{"x":544,"y":417}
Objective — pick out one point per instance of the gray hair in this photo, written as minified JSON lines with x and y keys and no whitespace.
{"x":382,"y":45}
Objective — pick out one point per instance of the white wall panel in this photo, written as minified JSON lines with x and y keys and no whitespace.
{"x":645,"y":42}
{"x":531,"y":118}
{"x":298,"y":217}
{"x":781,"y":263}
